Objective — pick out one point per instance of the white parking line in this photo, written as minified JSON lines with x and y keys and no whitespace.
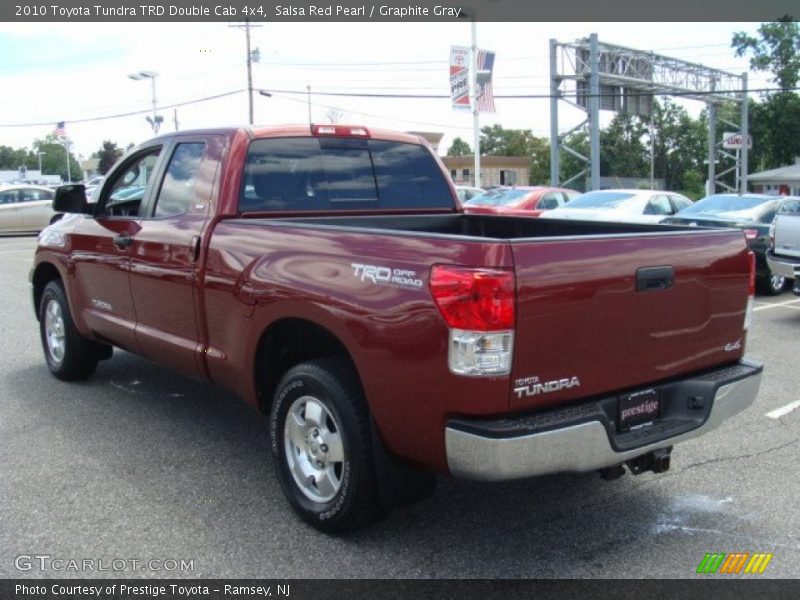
{"x":776,"y":305}
{"x":783,"y":410}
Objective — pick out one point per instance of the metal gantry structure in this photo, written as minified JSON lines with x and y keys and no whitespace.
{"x":610,"y":77}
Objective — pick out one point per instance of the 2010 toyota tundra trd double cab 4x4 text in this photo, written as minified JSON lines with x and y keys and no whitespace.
{"x":328,"y":276}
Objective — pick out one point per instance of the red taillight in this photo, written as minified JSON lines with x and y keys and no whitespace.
{"x":474,"y":299}
{"x":751,"y":289}
{"x":750,"y":234}
{"x":340,"y":130}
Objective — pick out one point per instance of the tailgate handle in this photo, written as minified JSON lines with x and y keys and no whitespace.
{"x":653,"y":279}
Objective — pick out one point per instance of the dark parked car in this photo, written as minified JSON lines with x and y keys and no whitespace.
{"x":754,"y":214}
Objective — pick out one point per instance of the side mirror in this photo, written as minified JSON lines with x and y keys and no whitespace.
{"x":72,"y":199}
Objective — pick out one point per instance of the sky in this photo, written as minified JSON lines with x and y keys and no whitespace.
{"x":51,"y":72}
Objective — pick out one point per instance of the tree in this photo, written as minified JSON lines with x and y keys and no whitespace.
{"x":54,"y":159}
{"x":107,"y":155}
{"x":681,"y":147}
{"x":14,"y":158}
{"x":777,"y":50}
{"x":622,"y":153}
{"x":459,"y":148}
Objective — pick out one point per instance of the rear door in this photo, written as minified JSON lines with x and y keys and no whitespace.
{"x":787,"y":229}
{"x":606,"y":313}
{"x":165,"y":253}
{"x":36,"y":208}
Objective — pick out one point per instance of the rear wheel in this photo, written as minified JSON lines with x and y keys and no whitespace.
{"x":69,"y":355}
{"x":320,"y":438}
{"x":772,"y":284}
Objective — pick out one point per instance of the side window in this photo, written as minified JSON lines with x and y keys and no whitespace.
{"x":177,"y":189}
{"x":548,"y":202}
{"x":658,"y":205}
{"x":33,"y":195}
{"x":679,"y":202}
{"x":769,"y":216}
{"x":126,"y":192}
{"x":8,"y":197}
{"x":790,"y":207}
{"x":570,"y":196}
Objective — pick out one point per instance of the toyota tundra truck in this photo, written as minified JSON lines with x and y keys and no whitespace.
{"x":328,"y":276}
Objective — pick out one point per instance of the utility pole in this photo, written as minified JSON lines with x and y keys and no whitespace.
{"x":308,"y":87}
{"x":175,"y":118}
{"x":250,"y":55}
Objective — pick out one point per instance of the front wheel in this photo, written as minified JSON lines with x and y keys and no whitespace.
{"x":69,"y":355}
{"x":321,"y":445}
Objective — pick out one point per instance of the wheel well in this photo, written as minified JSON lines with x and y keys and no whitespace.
{"x":287,"y":343}
{"x":45,"y":273}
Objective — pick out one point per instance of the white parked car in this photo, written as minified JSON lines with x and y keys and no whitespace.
{"x":26,"y":208}
{"x":629,"y":206}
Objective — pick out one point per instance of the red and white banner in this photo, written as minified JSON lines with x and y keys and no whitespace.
{"x":459,"y":79}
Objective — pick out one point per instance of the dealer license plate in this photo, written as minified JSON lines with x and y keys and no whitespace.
{"x":638,"y":409}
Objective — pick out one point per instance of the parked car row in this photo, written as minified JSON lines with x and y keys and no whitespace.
{"x":752,"y":213}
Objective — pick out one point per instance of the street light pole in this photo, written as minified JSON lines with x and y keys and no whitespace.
{"x":473,"y":93}
{"x":40,"y":162}
{"x":155,"y":120}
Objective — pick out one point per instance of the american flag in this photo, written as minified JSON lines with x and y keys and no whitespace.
{"x":60,"y":131}
{"x":485,"y":93}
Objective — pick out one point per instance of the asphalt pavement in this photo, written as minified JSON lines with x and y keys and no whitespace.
{"x":138,"y":463}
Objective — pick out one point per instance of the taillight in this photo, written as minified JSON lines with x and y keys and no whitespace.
{"x":750,"y":234}
{"x":751,"y":290}
{"x":475,"y":299}
{"x":340,"y":130}
{"x":479,"y":307}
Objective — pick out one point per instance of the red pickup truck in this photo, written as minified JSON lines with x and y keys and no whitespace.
{"x":328,"y":276}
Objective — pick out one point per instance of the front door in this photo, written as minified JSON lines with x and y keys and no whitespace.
{"x":101,"y":251}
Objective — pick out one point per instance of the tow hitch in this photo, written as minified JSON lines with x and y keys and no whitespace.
{"x":656,"y":461}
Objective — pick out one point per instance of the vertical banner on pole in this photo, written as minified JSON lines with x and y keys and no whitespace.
{"x":485,"y":93}
{"x":459,"y":77}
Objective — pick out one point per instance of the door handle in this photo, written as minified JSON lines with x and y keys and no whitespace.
{"x":123,"y":241}
{"x":653,"y":279}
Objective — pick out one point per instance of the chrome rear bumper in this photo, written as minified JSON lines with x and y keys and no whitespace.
{"x":585,"y":446}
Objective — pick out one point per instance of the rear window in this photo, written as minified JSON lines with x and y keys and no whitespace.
{"x":727,"y":203}
{"x":499,"y":198}
{"x":313,"y":174}
{"x":606,"y":200}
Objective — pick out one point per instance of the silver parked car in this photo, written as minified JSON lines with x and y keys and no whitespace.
{"x":26,"y":208}
{"x":629,"y":206}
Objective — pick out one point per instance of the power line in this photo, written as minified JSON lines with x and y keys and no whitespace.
{"x":529,"y":96}
{"x":127,"y":114}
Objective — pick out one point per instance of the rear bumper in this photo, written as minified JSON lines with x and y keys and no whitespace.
{"x":584,"y":437}
{"x":784,"y":265}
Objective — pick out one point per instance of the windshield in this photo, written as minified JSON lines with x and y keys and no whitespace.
{"x":602,"y":200}
{"x":727,"y":205}
{"x":498,"y":198}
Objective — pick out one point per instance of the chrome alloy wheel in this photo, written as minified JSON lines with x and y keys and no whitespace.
{"x":777,"y":282}
{"x":54,"y":331}
{"x":314,"y":449}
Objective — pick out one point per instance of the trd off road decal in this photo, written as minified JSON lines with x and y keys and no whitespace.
{"x":379,"y":275}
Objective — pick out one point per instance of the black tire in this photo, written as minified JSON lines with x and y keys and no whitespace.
{"x":331,"y":387}
{"x":771,"y":285}
{"x":76,"y":357}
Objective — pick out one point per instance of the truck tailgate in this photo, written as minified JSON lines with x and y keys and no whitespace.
{"x":583,"y":328}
